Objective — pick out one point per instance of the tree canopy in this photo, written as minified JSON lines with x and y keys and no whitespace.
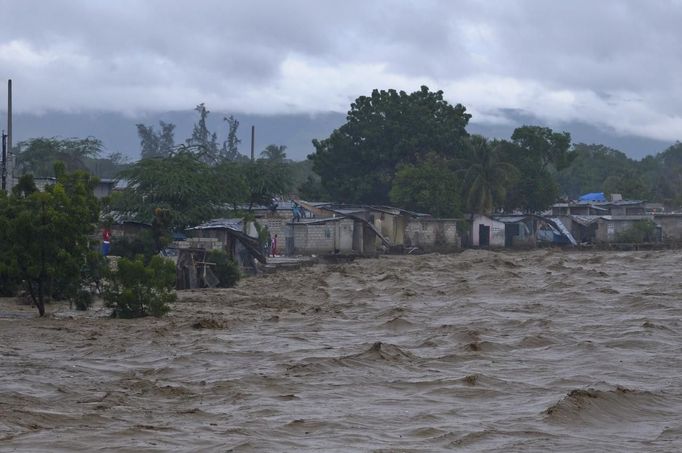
{"x":389,"y":128}
{"x":45,"y":235}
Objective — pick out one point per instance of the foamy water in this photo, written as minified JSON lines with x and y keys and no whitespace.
{"x":478,"y":351}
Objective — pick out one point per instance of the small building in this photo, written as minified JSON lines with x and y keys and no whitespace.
{"x":428,"y":234}
{"x":332,"y":235}
{"x":486,"y":232}
{"x":529,"y":230}
{"x":228,"y":233}
{"x":671,"y":226}
{"x":610,"y":228}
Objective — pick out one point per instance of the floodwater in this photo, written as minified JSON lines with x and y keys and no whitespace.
{"x":477,"y":351}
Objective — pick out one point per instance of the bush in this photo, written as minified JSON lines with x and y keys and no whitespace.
{"x":137,"y":290}
{"x":83,"y":299}
{"x":143,"y":244}
{"x":225,"y":269}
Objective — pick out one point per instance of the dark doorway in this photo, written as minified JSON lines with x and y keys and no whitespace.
{"x":511,"y":230}
{"x":483,"y":236}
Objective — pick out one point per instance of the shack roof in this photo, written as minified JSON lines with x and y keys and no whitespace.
{"x":235,"y":224}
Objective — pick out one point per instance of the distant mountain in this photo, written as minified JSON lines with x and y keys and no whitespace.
{"x":119,"y":134}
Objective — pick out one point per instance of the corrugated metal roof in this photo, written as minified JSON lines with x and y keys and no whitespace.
{"x":231,"y":224}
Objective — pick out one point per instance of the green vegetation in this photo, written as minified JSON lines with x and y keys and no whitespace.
{"x":225,"y":269}
{"x":135,"y":290}
{"x":384,"y":131}
{"x":45,"y":236}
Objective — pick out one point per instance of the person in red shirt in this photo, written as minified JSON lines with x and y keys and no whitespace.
{"x":106,"y":241}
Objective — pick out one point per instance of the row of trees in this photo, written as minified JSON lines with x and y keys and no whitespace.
{"x":413,"y":150}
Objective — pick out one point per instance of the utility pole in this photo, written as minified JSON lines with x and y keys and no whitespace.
{"x":7,"y":155}
{"x":4,"y":161}
{"x":253,"y":141}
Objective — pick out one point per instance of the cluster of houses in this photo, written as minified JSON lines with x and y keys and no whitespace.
{"x":324,"y":229}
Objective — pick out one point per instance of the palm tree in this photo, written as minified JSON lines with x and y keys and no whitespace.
{"x":486,"y":177}
{"x":274,"y":153}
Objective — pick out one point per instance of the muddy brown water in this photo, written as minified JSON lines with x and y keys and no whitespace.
{"x":478,"y":351}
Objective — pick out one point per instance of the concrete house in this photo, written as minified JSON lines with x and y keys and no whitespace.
{"x":486,"y":232}
{"x":333,"y":235}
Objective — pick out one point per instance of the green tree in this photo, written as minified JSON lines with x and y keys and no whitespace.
{"x":538,"y":153}
{"x":38,"y":155}
{"x":598,"y":168}
{"x":181,"y":183}
{"x":156,"y":144}
{"x":486,"y":176}
{"x":265,"y":179}
{"x":274,"y":153}
{"x":45,"y":235}
{"x":202,"y":139}
{"x":225,"y":268}
{"x":666,"y":180}
{"x":230,"y":149}
{"x":358,"y":161}
{"x":135,"y":289}
{"x":429,"y":186}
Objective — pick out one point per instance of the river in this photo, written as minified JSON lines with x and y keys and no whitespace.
{"x":544,"y":350}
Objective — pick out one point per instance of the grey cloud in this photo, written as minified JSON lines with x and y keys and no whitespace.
{"x":596,"y":61}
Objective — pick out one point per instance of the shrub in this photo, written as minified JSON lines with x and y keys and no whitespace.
{"x":83,"y":299}
{"x":225,"y":269}
{"x":137,"y":290}
{"x":130,"y":248}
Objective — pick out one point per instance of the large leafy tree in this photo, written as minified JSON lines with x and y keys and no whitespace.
{"x":538,"y":153}
{"x":181,"y":183}
{"x":598,"y":168}
{"x":358,"y":161}
{"x":39,"y":155}
{"x":486,"y":176}
{"x":45,"y":235}
{"x":264,"y":179}
{"x":430,"y":186}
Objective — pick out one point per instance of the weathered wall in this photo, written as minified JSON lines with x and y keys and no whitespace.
{"x":431,"y":234}
{"x":607,"y":230}
{"x":671,"y":225}
{"x":328,"y":237}
{"x":496,"y":231}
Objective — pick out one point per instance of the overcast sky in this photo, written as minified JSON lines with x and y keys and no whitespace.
{"x":615,"y":64}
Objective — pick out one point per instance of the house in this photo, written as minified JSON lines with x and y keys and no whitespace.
{"x":610,"y":228}
{"x":428,"y":234}
{"x":341,"y":234}
{"x":486,"y":232}
{"x":529,"y":230}
{"x":599,"y":208}
{"x":229,"y":236}
{"x":671,"y":226}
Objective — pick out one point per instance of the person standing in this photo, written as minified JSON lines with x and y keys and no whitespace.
{"x":274,"y":246}
{"x":106,"y":241}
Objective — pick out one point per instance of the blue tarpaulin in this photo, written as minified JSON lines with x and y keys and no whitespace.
{"x":594,"y":196}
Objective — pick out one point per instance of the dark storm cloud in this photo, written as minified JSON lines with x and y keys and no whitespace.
{"x":611,"y":63}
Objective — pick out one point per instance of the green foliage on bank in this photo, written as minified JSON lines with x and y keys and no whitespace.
{"x":137,"y":289}
{"x":46,"y":236}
